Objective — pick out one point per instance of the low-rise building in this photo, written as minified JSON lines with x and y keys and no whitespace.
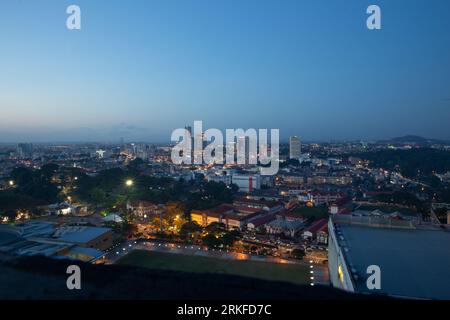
{"x":265,"y":205}
{"x":317,"y":231}
{"x":260,"y":222}
{"x":226,"y":179}
{"x":289,"y":228}
{"x":247,"y":182}
{"x":231,"y":216}
{"x":144,"y":209}
{"x":47,"y":239}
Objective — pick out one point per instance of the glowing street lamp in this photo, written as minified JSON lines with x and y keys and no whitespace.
{"x":11,"y":183}
{"x":129,"y":183}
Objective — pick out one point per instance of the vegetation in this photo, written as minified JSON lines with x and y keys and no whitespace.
{"x":411,"y":163}
{"x":108,"y":189}
{"x":31,"y":188}
{"x":402,"y":198}
{"x":312,"y":213}
{"x":190,"y":231}
{"x":298,"y":253}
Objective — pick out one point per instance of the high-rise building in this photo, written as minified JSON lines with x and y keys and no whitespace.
{"x":295,"y":149}
{"x":25,"y":150}
{"x":243,"y":149}
{"x":190,"y":136}
{"x":188,"y":129}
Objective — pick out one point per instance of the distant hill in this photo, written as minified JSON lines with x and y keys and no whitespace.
{"x":412,"y":139}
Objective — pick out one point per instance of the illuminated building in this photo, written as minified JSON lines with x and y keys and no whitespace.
{"x":231,"y":216}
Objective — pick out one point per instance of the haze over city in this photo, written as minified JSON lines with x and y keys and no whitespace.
{"x":309,"y":68}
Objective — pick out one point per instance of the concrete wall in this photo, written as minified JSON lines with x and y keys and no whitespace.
{"x":337,"y":266}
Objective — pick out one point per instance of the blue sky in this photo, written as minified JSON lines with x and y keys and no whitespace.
{"x":139,"y":69}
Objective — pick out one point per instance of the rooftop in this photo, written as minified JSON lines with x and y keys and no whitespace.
{"x":318,"y":225}
{"x":79,"y":234}
{"x":286,"y":224}
{"x":413,"y":262}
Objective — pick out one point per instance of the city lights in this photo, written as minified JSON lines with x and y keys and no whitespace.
{"x":226,"y":152}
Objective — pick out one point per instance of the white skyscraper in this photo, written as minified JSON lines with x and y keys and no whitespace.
{"x":295,"y":149}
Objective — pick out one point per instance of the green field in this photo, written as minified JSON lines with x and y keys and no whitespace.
{"x":294,"y":273}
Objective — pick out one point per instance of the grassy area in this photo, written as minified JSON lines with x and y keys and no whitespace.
{"x":293,"y":273}
{"x":315,"y":213}
{"x":389,"y":209}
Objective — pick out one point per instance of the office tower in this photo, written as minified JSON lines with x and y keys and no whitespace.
{"x":295,"y":150}
{"x":190,"y":136}
{"x":25,"y":150}
{"x":188,"y":129}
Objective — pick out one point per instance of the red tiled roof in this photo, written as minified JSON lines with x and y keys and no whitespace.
{"x":259,"y":202}
{"x":246,"y":209}
{"x":216,"y":211}
{"x":319,"y":225}
{"x":262,"y":220}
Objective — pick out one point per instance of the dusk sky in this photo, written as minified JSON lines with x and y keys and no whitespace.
{"x":142,"y":68}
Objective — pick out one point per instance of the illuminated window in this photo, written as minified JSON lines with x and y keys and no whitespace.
{"x":341,"y":274}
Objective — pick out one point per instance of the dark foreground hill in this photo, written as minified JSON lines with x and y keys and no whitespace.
{"x":42,"y":278}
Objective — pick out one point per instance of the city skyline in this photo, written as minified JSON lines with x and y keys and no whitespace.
{"x":308,"y":68}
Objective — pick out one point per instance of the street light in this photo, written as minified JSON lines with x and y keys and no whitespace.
{"x":129,"y":183}
{"x":11,"y":183}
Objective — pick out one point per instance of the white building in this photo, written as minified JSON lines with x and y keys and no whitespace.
{"x":247,"y":182}
{"x":219,"y":178}
{"x":295,"y":150}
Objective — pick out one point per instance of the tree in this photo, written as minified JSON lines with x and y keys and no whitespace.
{"x":211,"y":240}
{"x":215,"y":227}
{"x":128,"y":230}
{"x":229,"y":238}
{"x":10,"y":214}
{"x":298,"y":253}
{"x":190,"y":230}
{"x":48,"y":170}
{"x":135,"y":164}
